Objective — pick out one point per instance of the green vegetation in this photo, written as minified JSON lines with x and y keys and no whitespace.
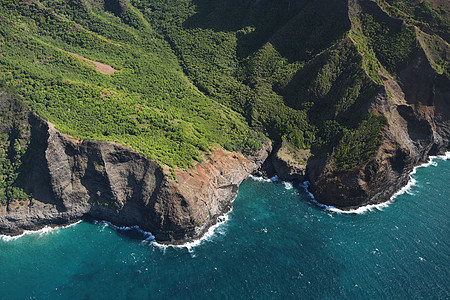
{"x":193,"y":74}
{"x":437,"y":51}
{"x":371,"y":64}
{"x":356,"y":147}
{"x":149,"y":104}
{"x":13,"y":144}
{"x":394,"y":47}
{"x":243,"y":54}
{"x":421,"y":14}
{"x":434,"y":25}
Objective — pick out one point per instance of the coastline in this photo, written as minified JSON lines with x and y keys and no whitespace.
{"x":150,"y":238}
{"x":379,"y":206}
{"x":43,"y":230}
{"x":211,"y":232}
{"x":223,"y":219}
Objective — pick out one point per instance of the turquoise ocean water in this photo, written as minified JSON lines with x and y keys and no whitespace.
{"x":275,"y":244}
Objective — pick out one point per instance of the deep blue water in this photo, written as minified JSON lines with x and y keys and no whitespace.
{"x":276,"y":244}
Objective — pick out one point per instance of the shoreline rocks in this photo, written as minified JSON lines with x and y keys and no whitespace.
{"x":71,"y":179}
{"x":417,"y":107}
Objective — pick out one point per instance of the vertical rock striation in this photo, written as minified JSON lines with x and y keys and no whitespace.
{"x":418,"y":114}
{"x":71,"y":179}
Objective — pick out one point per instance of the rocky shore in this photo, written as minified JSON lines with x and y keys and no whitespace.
{"x":417,"y":107}
{"x":72,"y":179}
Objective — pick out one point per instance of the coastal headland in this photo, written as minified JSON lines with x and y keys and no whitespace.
{"x":151,"y":113}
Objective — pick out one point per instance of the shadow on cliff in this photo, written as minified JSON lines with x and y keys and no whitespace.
{"x":95,"y":179}
{"x":34,"y":175}
{"x":260,"y":21}
{"x":122,"y":185}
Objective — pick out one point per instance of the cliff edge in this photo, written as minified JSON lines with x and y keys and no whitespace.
{"x":415,"y":99}
{"x":71,"y":179}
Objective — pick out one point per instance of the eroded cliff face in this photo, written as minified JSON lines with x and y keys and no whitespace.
{"x":418,"y":113}
{"x":290,"y":163}
{"x":71,"y":179}
{"x":198,"y":197}
{"x":416,"y":103}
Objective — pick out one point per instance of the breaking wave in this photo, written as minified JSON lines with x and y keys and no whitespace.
{"x":287,"y":184}
{"x":40,"y":232}
{"x":214,"y":230}
{"x":380,"y":206}
{"x":148,"y":237}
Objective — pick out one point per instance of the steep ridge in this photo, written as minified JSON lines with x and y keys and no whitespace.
{"x":72,"y":179}
{"x":412,"y":92}
{"x":416,"y":104}
{"x":353,"y":95}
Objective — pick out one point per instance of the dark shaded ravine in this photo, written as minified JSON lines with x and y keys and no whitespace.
{"x":70,"y":179}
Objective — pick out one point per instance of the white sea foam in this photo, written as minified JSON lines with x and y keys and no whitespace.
{"x":287,"y":184}
{"x":40,"y":232}
{"x":259,"y":178}
{"x":212,"y":231}
{"x":371,"y":207}
{"x":223,"y":219}
{"x":412,"y":182}
{"x":148,"y":236}
{"x":359,"y":210}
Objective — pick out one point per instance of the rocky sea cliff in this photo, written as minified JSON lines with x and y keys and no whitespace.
{"x":72,"y":179}
{"x":61,"y":179}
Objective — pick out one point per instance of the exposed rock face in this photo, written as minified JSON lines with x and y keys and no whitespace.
{"x":290,"y":163}
{"x":70,"y":179}
{"x":200,"y":196}
{"x":418,"y":126}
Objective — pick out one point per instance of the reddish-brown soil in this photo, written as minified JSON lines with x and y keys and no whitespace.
{"x":102,"y":68}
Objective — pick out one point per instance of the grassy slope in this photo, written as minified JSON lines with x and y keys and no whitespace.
{"x":149,"y":104}
{"x":303,"y":72}
{"x":197,"y":73}
{"x":14,"y":139}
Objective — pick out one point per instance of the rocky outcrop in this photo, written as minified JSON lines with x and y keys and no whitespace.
{"x":418,"y":113}
{"x":289,"y":163}
{"x":71,"y":179}
{"x":201,"y":195}
{"x":416,"y":102}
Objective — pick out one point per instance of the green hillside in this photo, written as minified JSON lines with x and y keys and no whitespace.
{"x":192,"y":74}
{"x":148,"y":104}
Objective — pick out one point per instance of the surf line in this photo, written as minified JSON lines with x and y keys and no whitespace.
{"x":42,"y":231}
{"x":148,"y":237}
{"x":380,"y":206}
{"x":366,"y":208}
{"x":287,"y":184}
{"x":207,"y":236}
{"x":221,"y":221}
